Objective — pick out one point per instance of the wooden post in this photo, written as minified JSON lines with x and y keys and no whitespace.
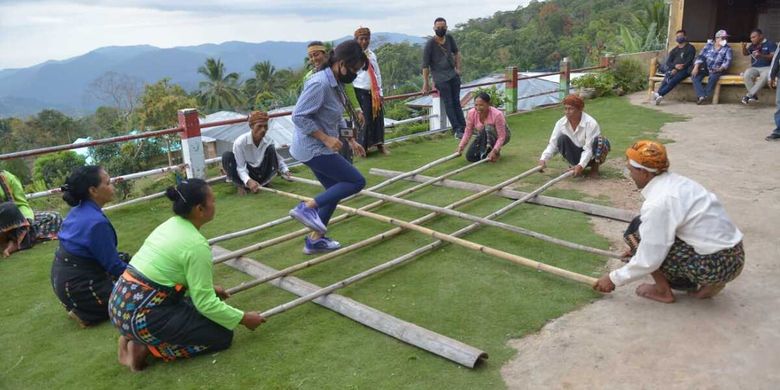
{"x":590,"y":281}
{"x":564,"y":79}
{"x":566,"y":204}
{"x":438,"y":119}
{"x":607,"y":61}
{"x":374,"y":239}
{"x":191,"y":144}
{"x":510,"y":105}
{"x":407,"y":332}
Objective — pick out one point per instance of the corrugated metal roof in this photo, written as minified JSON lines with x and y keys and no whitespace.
{"x":524,"y":88}
{"x":280,"y":129}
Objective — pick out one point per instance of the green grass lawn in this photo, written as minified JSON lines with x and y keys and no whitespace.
{"x":469,"y":296}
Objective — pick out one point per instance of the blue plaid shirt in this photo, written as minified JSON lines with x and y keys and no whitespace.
{"x":715,"y":59}
{"x":319,"y":107}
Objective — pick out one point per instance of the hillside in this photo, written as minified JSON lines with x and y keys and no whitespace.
{"x":63,"y":85}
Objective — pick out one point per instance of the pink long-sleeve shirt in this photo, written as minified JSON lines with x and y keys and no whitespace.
{"x":495,"y":117}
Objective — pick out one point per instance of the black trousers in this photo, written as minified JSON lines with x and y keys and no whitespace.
{"x":449,"y":92}
{"x":261,"y":174}
{"x":373,"y":131}
{"x":572,"y":152}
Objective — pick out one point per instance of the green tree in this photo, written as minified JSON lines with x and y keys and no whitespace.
{"x":160,"y":103}
{"x":219,"y":91}
{"x":54,"y":168}
{"x":264,"y":80}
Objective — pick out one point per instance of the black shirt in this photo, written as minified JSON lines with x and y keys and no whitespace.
{"x":684,"y":55}
{"x":440,"y":59}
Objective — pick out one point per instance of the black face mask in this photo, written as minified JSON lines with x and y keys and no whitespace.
{"x":347,"y":78}
{"x":440,"y":32}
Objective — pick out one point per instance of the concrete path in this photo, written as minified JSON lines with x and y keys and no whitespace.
{"x":729,"y":342}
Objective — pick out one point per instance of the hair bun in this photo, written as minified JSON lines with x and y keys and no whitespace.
{"x":171,"y":193}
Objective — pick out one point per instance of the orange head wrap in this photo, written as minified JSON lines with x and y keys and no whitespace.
{"x":574,"y":101}
{"x":362,"y":31}
{"x":257,"y":117}
{"x":649,"y":155}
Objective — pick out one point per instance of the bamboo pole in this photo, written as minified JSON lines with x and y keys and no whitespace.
{"x":390,"y":264}
{"x":407,"y":332}
{"x":385,"y":183}
{"x":500,"y":225}
{"x":566,"y":204}
{"x":374,"y":239}
{"x":446,"y":237}
{"x":301,"y":232}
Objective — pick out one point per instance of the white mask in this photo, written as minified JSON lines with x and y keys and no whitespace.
{"x":723,"y":41}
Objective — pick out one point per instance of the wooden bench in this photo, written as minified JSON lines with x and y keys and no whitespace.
{"x":739,"y":64}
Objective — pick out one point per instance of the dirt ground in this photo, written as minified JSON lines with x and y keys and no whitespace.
{"x":729,"y":342}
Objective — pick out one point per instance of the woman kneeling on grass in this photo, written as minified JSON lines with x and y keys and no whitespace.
{"x":87,"y":263}
{"x":491,"y":131}
{"x":166,"y":303}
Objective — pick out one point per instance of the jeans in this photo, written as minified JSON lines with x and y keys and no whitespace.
{"x":777,"y":113}
{"x":339,"y":178}
{"x":449,"y":91}
{"x":671,"y":81}
{"x":701,"y":91}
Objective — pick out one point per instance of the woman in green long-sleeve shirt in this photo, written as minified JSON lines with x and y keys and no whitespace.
{"x":166,"y":303}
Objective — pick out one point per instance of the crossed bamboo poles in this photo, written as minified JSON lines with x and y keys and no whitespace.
{"x":413,"y":225}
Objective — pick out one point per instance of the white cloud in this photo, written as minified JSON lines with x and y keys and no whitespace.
{"x":36,"y":31}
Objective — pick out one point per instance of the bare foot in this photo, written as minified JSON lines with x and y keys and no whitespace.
{"x":382,"y":149}
{"x":241,"y":190}
{"x":10,"y":248}
{"x":594,"y":174}
{"x":708,"y":291}
{"x":136,"y":355}
{"x":82,"y":324}
{"x":650,"y":291}
{"x":122,"y":354}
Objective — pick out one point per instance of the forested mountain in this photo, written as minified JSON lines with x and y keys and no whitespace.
{"x":66,"y":85}
{"x":536,"y":37}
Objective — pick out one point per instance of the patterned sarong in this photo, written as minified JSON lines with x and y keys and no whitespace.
{"x":163,"y":319}
{"x":687,"y":270}
{"x":82,"y":286}
{"x":601,"y":149}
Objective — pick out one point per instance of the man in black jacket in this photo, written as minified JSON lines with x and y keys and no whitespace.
{"x":774,"y":73}
{"x":441,"y":58}
{"x":677,"y":66}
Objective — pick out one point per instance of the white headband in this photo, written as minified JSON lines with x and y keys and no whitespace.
{"x":640,"y":166}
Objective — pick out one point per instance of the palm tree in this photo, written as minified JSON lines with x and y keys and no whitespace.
{"x":264,"y":81}
{"x":219,"y":91}
{"x":649,"y":29}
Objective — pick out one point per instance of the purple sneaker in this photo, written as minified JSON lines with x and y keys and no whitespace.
{"x":323,"y":244}
{"x":308,"y":217}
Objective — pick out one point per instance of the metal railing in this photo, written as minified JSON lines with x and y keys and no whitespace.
{"x":190,"y":126}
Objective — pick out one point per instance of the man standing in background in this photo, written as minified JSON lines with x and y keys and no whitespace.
{"x":442,"y":59}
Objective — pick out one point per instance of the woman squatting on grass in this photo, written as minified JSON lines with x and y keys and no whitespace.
{"x":165,"y":303}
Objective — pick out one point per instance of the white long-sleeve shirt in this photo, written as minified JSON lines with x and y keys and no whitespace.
{"x":676,"y":206}
{"x":363,"y":79}
{"x":248,"y":154}
{"x":582,"y":136}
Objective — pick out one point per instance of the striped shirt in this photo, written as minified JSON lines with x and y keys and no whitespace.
{"x":319,"y":107}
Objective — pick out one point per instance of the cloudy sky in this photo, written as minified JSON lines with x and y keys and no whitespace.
{"x":33,"y":31}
